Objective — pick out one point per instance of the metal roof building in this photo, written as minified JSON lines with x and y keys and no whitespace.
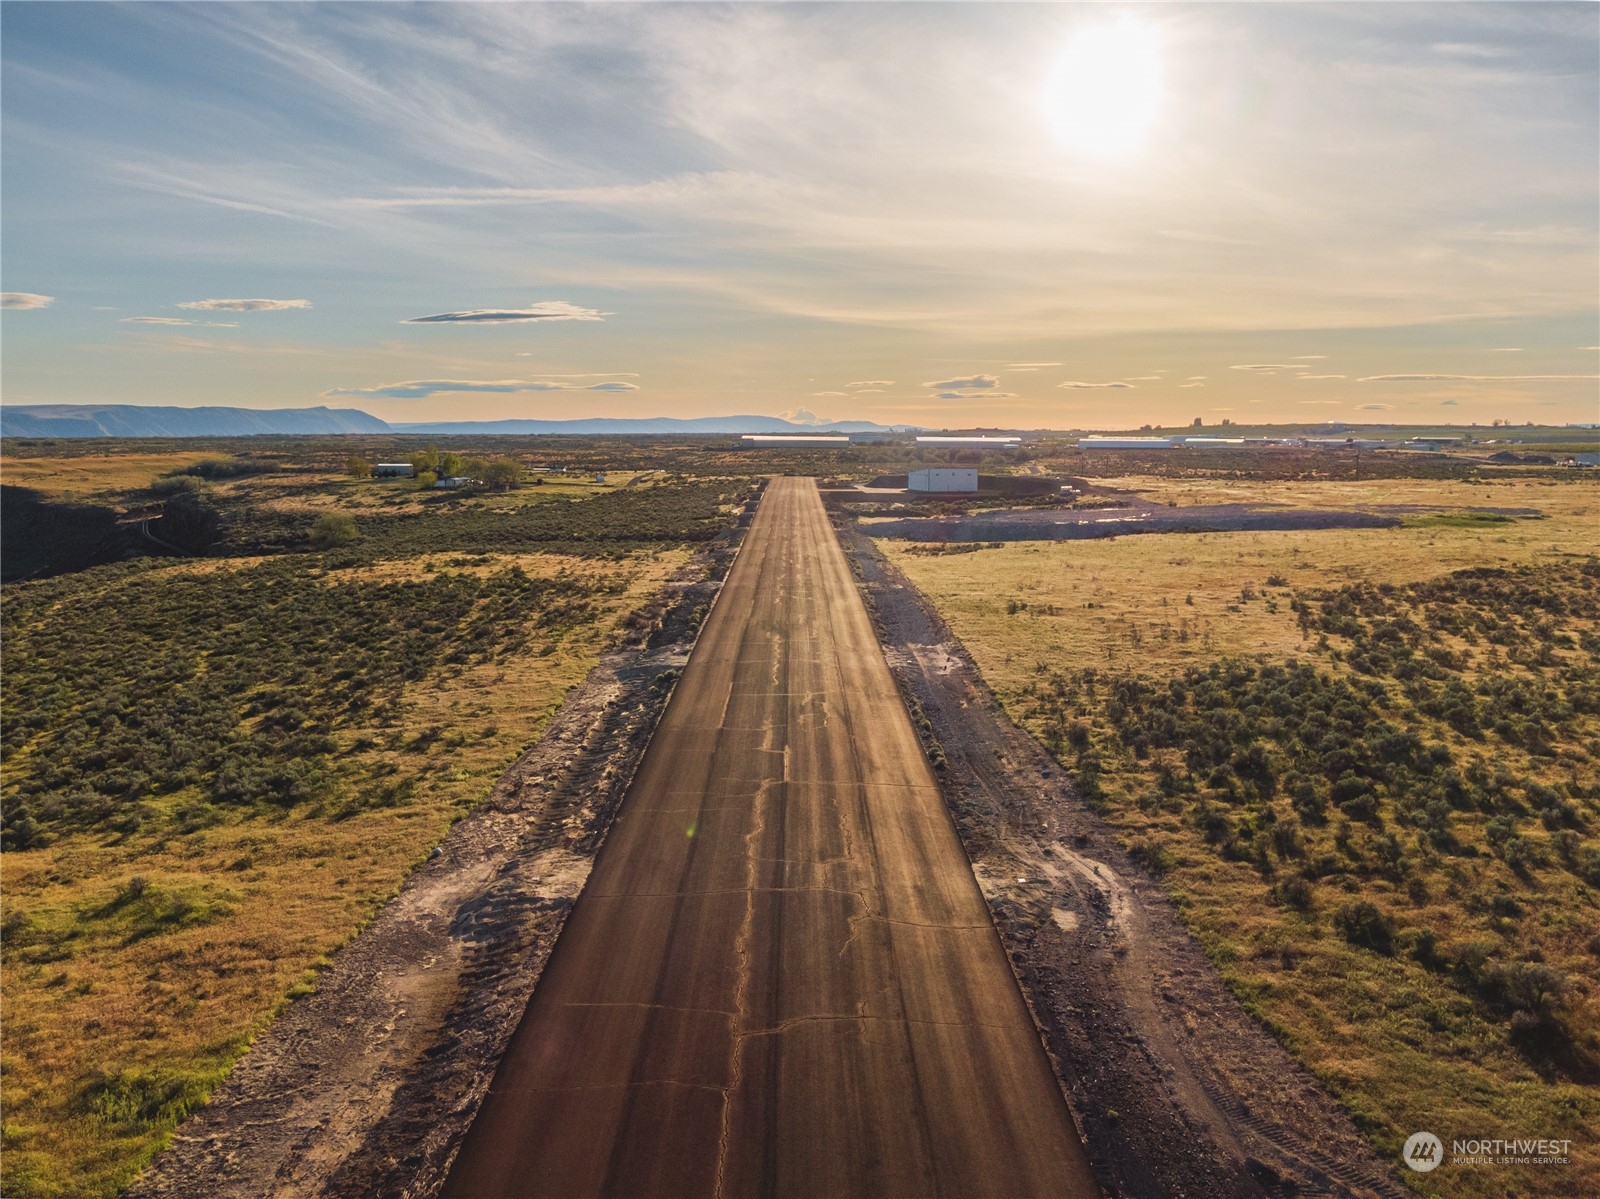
{"x":977,"y":442}
{"x":943,"y":478}
{"x":780,"y":441}
{"x":1126,"y":443}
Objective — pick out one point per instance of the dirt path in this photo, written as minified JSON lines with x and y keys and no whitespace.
{"x":1178,"y":1090}
{"x":366,"y":1086}
{"x":781,"y":979}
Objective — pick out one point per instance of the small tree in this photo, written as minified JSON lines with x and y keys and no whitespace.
{"x":426,"y":479}
{"x":357,"y":467}
{"x":333,"y":529}
{"x":427,"y":460}
{"x":449,"y":465}
{"x":502,"y":473}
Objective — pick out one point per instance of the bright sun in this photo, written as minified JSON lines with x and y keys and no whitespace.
{"x":1104,"y":94}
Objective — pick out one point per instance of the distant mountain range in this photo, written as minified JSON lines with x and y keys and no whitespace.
{"x":655,"y":424}
{"x":135,"y":420}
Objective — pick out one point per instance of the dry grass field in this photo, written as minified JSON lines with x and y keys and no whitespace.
{"x":96,"y":476}
{"x":1367,"y":771}
{"x":217,"y":768}
{"x":140,"y":964}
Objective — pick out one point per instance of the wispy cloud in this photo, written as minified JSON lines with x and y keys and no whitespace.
{"x":1319,"y":376}
{"x":1144,"y":378}
{"x":971,"y":394}
{"x":545,"y":310}
{"x":1374,"y":407}
{"x":24,"y":300}
{"x":421,"y":389}
{"x":1506,"y":350}
{"x":1309,"y":357}
{"x":970,"y":383}
{"x":871,"y":383}
{"x":1032,"y":366}
{"x":1469,"y":378}
{"x":1192,"y":384}
{"x":1075,"y":384}
{"x":832,"y":394}
{"x":244,"y":305}
{"x":156,"y":320}
{"x":1265,"y":366}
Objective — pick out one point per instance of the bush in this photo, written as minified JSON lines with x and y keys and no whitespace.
{"x":167,"y":486}
{"x":333,"y":529}
{"x":1365,"y":924}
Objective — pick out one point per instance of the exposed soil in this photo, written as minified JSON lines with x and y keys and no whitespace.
{"x":1117,"y":513}
{"x":366,"y":1086}
{"x":1176,"y":1088}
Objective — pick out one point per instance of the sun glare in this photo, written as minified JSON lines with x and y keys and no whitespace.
{"x":1104,"y":95}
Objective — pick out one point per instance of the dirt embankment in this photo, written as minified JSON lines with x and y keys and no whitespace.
{"x":367,"y":1086}
{"x":1178,"y":1091}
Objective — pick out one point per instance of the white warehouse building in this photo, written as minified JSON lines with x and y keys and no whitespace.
{"x":943,"y":478}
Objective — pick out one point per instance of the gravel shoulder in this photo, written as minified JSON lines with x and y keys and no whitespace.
{"x":366,"y":1086}
{"x":1177,"y":1089}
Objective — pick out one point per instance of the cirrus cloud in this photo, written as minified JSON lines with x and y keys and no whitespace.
{"x":244,"y":305}
{"x":1468,"y":378}
{"x":871,"y":383}
{"x":1265,"y":366}
{"x":421,"y":389}
{"x":22,"y":301}
{"x":1073,"y":383}
{"x":544,"y":310}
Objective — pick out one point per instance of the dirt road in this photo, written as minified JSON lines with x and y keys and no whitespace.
{"x":781,"y":978}
{"x":1178,"y":1089}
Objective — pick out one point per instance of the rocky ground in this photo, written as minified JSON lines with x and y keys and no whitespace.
{"x":366,"y":1086}
{"x":1177,"y":1090}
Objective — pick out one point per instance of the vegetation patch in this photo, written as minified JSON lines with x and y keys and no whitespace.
{"x":1373,"y":798}
{"x":217,"y":769}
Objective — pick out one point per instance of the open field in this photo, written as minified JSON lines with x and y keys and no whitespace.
{"x":1363,"y":764}
{"x":94,"y":476}
{"x":146,"y":949}
{"x":217,"y":768}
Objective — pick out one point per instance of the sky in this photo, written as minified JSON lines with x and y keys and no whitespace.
{"x":949,"y":215}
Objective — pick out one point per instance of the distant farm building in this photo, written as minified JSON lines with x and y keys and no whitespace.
{"x":452,"y":482}
{"x":1126,"y":443}
{"x":942,"y":478}
{"x":975,"y":443}
{"x":788,"y":441}
{"x":394,"y":470}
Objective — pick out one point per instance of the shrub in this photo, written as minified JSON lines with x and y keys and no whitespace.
{"x":333,"y":529}
{"x":1364,"y":924}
